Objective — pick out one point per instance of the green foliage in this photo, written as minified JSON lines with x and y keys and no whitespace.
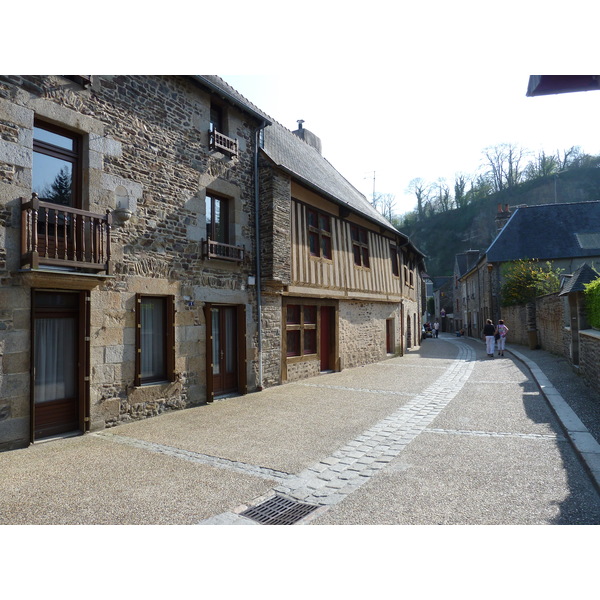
{"x":592,"y":302}
{"x":430,"y":306}
{"x":524,"y":280}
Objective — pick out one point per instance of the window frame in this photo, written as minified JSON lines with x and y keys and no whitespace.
{"x":226,"y":205}
{"x":395,"y":260}
{"x":167,"y":374}
{"x":72,"y":156}
{"x":360,"y":246}
{"x":299,"y":326}
{"x":322,"y":235}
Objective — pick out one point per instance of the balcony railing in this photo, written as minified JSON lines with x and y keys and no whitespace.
{"x":222,"y":143}
{"x":212,"y":249}
{"x":53,"y":235}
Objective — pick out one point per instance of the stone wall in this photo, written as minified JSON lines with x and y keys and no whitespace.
{"x":362,"y":333}
{"x":589,"y":356}
{"x":553,"y":336}
{"x":146,"y":150}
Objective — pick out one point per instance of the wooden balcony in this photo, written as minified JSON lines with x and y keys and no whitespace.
{"x":53,"y":235}
{"x":212,"y":249}
{"x":222,"y":143}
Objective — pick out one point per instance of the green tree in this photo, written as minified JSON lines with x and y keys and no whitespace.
{"x":524,"y":280}
{"x":592,"y":302}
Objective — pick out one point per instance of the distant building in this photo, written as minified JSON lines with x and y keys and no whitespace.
{"x":565,"y":235}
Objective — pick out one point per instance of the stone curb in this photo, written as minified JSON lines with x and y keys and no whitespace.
{"x":582,"y":440}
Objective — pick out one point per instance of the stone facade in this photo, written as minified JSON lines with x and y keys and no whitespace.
{"x":554,"y":334}
{"x":145,"y":154}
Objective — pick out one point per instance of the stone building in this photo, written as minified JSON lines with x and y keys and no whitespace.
{"x":127,"y":249}
{"x":136,"y":275}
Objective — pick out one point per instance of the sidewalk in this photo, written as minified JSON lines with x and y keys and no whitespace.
{"x":575,"y":403}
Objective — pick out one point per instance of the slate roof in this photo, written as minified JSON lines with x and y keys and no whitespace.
{"x":304,"y":163}
{"x":549,"y":232}
{"x":575,"y":283}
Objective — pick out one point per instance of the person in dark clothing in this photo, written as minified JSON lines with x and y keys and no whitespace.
{"x":488,"y":336}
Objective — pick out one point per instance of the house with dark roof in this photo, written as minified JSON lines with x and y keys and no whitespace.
{"x":565,"y":235}
{"x":338,"y":285}
{"x":342,"y":287}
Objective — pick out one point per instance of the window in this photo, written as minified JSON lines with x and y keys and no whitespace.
{"x":216,"y":119}
{"x":56,"y":172}
{"x":394,"y":256}
{"x":217,"y":219}
{"x":360,"y":245}
{"x":301,"y":330}
{"x":155,"y":339}
{"x":319,"y":233}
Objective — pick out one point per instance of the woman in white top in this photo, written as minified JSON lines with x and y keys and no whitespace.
{"x":502,"y":331}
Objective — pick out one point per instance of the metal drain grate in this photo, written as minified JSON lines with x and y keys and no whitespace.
{"x":278,"y":511}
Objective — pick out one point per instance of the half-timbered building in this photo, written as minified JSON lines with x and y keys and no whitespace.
{"x":341,"y":287}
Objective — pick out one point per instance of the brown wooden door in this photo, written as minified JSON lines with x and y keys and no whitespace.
{"x":327,"y":338}
{"x":389,"y":336}
{"x":224,"y":349}
{"x":58,"y":358}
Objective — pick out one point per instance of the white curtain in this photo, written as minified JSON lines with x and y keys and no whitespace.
{"x":153,"y":341}
{"x":55,"y":360}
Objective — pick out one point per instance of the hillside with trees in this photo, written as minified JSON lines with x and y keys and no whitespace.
{"x":449,"y":221}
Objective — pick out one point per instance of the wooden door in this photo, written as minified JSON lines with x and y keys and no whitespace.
{"x":389,"y":336}
{"x":59,"y":355}
{"x":327,"y":341}
{"x":224,"y":349}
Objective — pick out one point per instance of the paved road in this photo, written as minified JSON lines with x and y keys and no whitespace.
{"x":443,"y":435}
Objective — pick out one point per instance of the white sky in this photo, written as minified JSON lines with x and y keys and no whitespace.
{"x":401,"y":126}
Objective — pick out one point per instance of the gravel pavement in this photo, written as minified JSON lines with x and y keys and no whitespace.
{"x":442,"y":435}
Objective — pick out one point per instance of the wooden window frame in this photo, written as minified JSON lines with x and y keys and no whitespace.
{"x":73,"y":156}
{"x":395,"y":260}
{"x":168,"y":335}
{"x":323,"y":235}
{"x":360,"y":246}
{"x":226,"y":205}
{"x":301,"y":325}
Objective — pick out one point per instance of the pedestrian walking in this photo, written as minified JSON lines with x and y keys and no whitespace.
{"x":502,"y":331}
{"x":436,"y":327}
{"x":488,"y":335}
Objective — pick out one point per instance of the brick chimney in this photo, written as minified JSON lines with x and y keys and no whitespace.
{"x":502,"y":216}
{"x":310,"y":138}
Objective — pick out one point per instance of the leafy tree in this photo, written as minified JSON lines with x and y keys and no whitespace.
{"x":460,"y":195}
{"x":524,"y":280}
{"x":592,"y":302}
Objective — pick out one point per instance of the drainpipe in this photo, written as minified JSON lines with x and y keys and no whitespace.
{"x":257,"y":238}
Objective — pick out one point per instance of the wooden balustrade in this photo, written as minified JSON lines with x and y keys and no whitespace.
{"x":61,"y":236}
{"x":219,"y":141}
{"x":212,"y":249}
